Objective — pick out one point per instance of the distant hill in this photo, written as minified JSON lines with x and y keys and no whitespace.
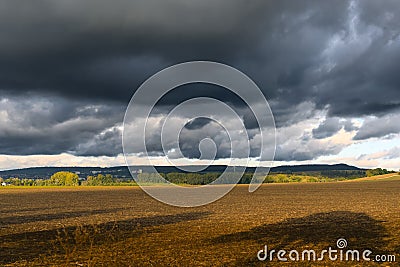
{"x":123,"y":172}
{"x":316,"y":168}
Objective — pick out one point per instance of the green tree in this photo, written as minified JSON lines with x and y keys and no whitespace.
{"x":100,"y":179}
{"x":282,"y":178}
{"x":13,"y":181}
{"x":39,"y":182}
{"x":27,"y":182}
{"x":377,"y":171}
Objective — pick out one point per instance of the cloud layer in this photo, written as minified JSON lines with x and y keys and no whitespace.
{"x":328,"y":68}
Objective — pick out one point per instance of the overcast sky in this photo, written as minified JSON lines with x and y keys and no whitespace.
{"x":329,"y":69}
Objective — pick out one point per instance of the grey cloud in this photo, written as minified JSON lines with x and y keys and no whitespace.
{"x":327,"y":128}
{"x":331,"y":126}
{"x":295,"y":143}
{"x":52,"y":126}
{"x":349,"y":126}
{"x":379,"y":127}
{"x":106,"y":143}
{"x":388,"y":154}
{"x":301,"y":150}
{"x":197,"y":123}
{"x":393,"y":153}
{"x":190,"y":139}
{"x":289,"y":114}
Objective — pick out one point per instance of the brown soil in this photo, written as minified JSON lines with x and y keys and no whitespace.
{"x":122,"y":226}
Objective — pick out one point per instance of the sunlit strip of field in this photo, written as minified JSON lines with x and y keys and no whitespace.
{"x":386,"y":177}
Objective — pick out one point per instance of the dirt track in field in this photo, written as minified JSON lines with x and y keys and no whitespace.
{"x":122,"y":226}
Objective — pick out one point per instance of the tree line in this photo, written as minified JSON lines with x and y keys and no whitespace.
{"x":64,"y":178}
{"x":377,"y":171}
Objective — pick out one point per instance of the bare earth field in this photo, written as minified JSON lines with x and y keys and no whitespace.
{"x":122,"y":226}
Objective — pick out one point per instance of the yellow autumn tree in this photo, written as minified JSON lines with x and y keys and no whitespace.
{"x":64,"y":178}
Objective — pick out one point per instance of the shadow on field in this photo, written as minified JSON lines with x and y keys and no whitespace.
{"x":53,"y":216}
{"x":21,"y":210}
{"x":31,"y":245}
{"x":317,"y":231}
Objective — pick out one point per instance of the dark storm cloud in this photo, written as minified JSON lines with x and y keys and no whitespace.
{"x":106,"y":143}
{"x":197,"y":123}
{"x":190,"y":139}
{"x":103,"y":49}
{"x":306,"y":56}
{"x":55,"y":125}
{"x":106,"y":49}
